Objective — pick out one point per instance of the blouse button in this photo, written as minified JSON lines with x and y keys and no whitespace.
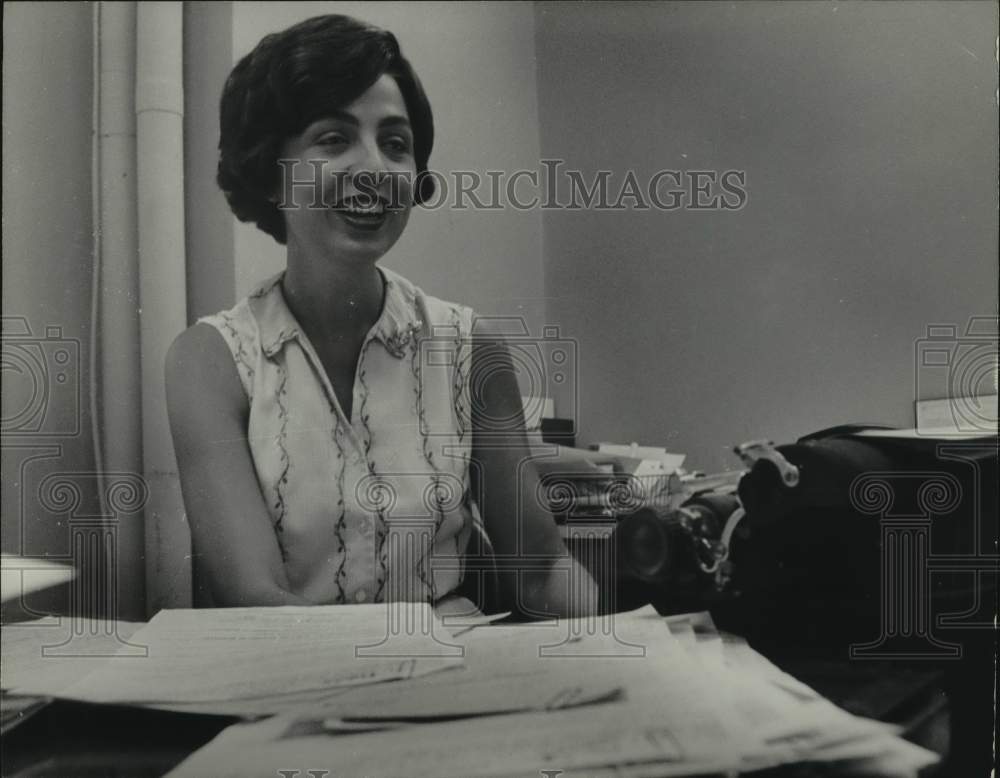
{"x":361,"y":596}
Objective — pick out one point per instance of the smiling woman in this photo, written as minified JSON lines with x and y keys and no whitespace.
{"x":363,"y":154}
{"x":324,"y":458}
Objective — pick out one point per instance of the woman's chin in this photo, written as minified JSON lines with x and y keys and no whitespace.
{"x":360,"y":251}
{"x":369,"y":240}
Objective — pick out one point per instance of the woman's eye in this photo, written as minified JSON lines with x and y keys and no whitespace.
{"x":332,"y":140}
{"x":397,"y":144}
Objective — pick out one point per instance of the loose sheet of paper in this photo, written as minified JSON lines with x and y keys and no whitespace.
{"x":692,"y":702}
{"x":239,"y":653}
{"x":46,"y":656}
{"x":789,"y":721}
{"x":272,"y":704}
{"x":506,"y":668}
{"x":524,"y":744}
{"x":652,"y":722}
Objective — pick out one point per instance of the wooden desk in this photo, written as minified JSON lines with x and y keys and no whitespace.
{"x":70,"y":739}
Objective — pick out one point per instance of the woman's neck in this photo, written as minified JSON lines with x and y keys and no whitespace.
{"x":332,"y":300}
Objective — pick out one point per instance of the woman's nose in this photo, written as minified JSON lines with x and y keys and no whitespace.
{"x":367,"y":172}
{"x":369,"y":159}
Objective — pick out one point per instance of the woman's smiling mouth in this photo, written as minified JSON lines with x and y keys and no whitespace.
{"x":362,"y":213}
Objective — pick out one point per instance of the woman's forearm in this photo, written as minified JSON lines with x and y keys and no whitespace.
{"x":259,"y":596}
{"x":562,"y":588}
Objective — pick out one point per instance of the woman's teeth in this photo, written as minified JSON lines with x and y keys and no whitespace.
{"x":373,"y":210}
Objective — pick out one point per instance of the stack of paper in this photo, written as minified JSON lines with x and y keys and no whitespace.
{"x":642,"y":460}
{"x":247,"y":661}
{"x":633,"y":694}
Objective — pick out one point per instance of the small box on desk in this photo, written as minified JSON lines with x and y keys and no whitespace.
{"x":560,"y":431}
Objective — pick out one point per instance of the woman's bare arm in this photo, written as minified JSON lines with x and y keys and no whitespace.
{"x":231,"y":530}
{"x":538,"y":576}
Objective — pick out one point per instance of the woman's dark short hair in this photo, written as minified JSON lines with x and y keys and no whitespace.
{"x":291,"y":79}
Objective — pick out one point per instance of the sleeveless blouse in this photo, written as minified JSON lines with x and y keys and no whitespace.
{"x":375,"y":508}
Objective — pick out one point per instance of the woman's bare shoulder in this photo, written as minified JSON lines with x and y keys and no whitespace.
{"x":199,"y":368}
{"x":199,"y":346}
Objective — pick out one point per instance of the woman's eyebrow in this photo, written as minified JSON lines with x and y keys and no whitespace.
{"x":393,"y":120}
{"x":334,"y":116}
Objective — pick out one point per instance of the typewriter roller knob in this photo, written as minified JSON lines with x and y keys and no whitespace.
{"x":757,"y":450}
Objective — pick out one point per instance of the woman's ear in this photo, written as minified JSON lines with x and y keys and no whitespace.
{"x":274,"y":197}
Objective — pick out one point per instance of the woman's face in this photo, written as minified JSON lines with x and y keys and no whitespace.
{"x":348,"y":194}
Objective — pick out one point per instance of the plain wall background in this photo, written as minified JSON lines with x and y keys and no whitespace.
{"x":868,"y":135}
{"x":47,"y":266}
{"x":208,"y":58}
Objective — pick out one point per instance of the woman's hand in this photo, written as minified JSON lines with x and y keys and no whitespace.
{"x":538,"y":576}
{"x":233,"y":540}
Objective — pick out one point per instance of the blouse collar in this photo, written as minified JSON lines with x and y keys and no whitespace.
{"x":398,"y":324}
